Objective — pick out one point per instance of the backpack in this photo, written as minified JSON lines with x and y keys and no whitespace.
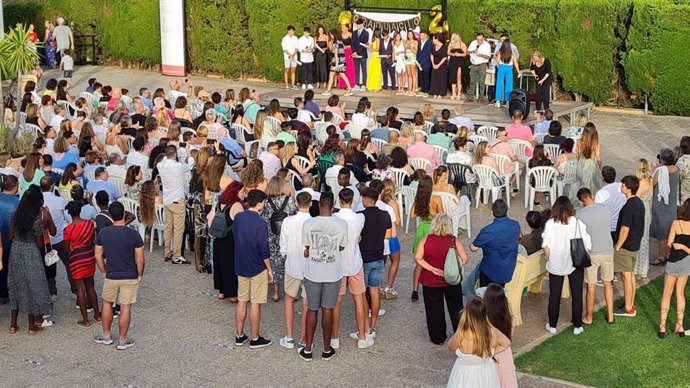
{"x":219,"y":225}
{"x":278,"y":215}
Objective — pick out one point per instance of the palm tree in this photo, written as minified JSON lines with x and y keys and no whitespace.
{"x":17,"y":56}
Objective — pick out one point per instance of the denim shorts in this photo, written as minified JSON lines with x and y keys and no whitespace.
{"x":373,"y":273}
{"x":67,"y":73}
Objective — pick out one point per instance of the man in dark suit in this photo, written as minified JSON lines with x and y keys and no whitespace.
{"x":424,"y":60}
{"x":387,"y":67}
{"x":360,"y":36}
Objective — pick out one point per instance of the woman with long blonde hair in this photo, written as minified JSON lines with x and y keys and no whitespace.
{"x":457,"y":51}
{"x":481,"y":156}
{"x":474,"y":343}
{"x":643,"y":172}
{"x":589,"y":161}
{"x":162,"y":118}
{"x":428,"y":113}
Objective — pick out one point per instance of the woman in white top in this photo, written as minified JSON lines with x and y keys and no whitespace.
{"x":400,"y":64}
{"x":559,"y":230}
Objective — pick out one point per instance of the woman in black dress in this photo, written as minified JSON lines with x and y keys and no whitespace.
{"x":321,"y":57}
{"x":541,"y":70}
{"x":457,"y":52}
{"x":439,"y":65}
{"x":224,"y":278}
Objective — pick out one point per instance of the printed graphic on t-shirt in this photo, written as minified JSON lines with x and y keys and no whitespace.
{"x":323,"y":248}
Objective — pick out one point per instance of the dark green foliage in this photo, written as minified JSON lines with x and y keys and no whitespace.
{"x":28,"y":13}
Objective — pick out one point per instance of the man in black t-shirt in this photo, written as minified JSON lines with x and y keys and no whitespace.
{"x":377,"y":228}
{"x":629,"y":232}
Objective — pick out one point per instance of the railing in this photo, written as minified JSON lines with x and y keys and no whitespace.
{"x":85,"y":47}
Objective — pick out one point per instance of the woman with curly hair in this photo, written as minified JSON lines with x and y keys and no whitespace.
{"x":252,"y":176}
{"x":224,"y":278}
{"x":422,"y":208}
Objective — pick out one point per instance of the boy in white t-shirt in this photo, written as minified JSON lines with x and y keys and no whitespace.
{"x":67,"y":66}
{"x":292,"y":247}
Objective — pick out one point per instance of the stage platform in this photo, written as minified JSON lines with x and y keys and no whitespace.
{"x":480,"y":114}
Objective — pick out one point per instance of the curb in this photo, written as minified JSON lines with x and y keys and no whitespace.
{"x":564,"y":383}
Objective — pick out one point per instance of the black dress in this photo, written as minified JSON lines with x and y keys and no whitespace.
{"x":454,"y":64}
{"x":439,"y":77}
{"x":290,"y":166}
{"x":224,"y":278}
{"x":321,"y":62}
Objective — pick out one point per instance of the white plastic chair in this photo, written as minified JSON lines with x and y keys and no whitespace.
{"x":113,"y":149}
{"x":379,"y":144}
{"x":90,"y":175}
{"x":332,"y":182}
{"x":544,"y":182}
{"x":65,"y":193}
{"x":552,"y":150}
{"x":405,"y":198}
{"x":520,"y":148}
{"x":476,"y":139}
{"x":294,"y":176}
{"x":420,"y":163}
{"x":489,"y":181}
{"x":35,"y":130}
{"x":273,"y":123}
{"x":303,"y":162}
{"x":119,"y":183}
{"x":354,"y":130}
{"x":69,"y":109}
{"x":507,"y":168}
{"x":569,"y":176}
{"x":90,"y":99}
{"x":158,"y":226}
{"x":240,"y":131}
{"x":488,"y":132}
{"x":428,"y":126}
{"x":117,"y":171}
{"x":132,"y":206}
{"x":442,"y":152}
{"x":399,"y":176}
{"x":337,"y":119}
{"x":195,"y":113}
{"x":539,"y":138}
{"x":458,"y":209}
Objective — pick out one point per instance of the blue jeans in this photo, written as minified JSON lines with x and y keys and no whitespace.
{"x":469,"y":282}
{"x":373,"y":273}
{"x":504,"y":82}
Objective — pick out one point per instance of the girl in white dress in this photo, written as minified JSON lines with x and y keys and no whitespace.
{"x":475,"y":344}
{"x":400,"y":64}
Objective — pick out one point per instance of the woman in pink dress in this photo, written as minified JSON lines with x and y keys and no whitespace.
{"x":502,"y":319}
{"x":346,"y":36}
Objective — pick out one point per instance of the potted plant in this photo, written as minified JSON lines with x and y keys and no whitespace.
{"x":17,"y":56}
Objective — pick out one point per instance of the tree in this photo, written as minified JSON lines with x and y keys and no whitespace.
{"x":17,"y":56}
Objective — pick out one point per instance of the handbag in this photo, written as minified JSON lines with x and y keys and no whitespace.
{"x":578,"y":252}
{"x":452,"y":269}
{"x":51,"y":257}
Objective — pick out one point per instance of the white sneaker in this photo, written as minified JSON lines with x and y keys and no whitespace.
{"x":365,"y":343}
{"x":335,"y":343}
{"x":578,"y":330}
{"x":287,"y":87}
{"x":362,"y":88}
{"x":304,"y":86}
{"x":287,"y":343}
{"x":310,"y":86}
{"x":326,"y":93}
{"x":350,"y":93}
{"x":550,"y":329}
{"x":382,"y":312}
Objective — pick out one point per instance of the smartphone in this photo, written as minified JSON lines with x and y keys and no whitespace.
{"x":183,"y":145}
{"x":210,"y":141}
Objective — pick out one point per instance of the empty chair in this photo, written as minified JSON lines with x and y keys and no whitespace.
{"x":405,"y":198}
{"x":158,"y":226}
{"x":489,"y":181}
{"x":541,"y":179}
{"x":354,"y":130}
{"x":488,"y":132}
{"x":458,"y":209}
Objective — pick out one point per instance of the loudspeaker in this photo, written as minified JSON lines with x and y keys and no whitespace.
{"x":519,"y":99}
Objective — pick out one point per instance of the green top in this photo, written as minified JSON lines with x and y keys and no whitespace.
{"x":23,"y":184}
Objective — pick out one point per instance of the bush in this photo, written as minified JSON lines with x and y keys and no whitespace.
{"x":130,"y":30}
{"x":654,"y":54}
{"x":28,"y":13}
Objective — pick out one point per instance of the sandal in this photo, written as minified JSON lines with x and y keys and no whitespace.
{"x":662,"y":331}
{"x":13,"y":329}
{"x":221,"y":296}
{"x":233,"y":300}
{"x":35,"y":331}
{"x":83,"y":325}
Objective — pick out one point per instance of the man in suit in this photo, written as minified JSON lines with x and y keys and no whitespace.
{"x":387,"y":67}
{"x":361,"y":36}
{"x":424,"y":60}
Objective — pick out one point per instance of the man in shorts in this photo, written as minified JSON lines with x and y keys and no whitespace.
{"x":252,"y":267}
{"x":292,"y":247}
{"x":324,"y":237}
{"x":598,"y":221}
{"x":629,"y":232}
{"x":120,"y":258}
{"x":289,"y":45}
{"x":377,"y":228}
{"x":353,"y":273}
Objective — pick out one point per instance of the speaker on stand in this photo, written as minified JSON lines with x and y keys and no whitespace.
{"x":519,"y":100}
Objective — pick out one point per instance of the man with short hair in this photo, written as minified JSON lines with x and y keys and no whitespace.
{"x":292,"y":247}
{"x":338,"y":164}
{"x":58,"y":116}
{"x":424,"y":61}
{"x":290,"y":45}
{"x":101,"y":183}
{"x":611,"y":195}
{"x":629,"y":233}
{"x":175,"y":92}
{"x":353,"y":273}
{"x":445,"y":118}
{"x":461,"y":121}
{"x":303,"y":115}
{"x":420,"y":149}
{"x":271,"y":160}
{"x":360,"y":43}
{"x":499,"y":244}
{"x":305,"y":46}
{"x":438,"y":138}
{"x":120,"y":257}
{"x":139,"y":117}
{"x":63,"y":36}
{"x":56,"y":206}
{"x":344,"y":181}
{"x":137,"y":156}
{"x":480,"y":55}
{"x":324,"y":238}
{"x":172,"y":173}
{"x":9,"y":201}
{"x":598,"y":221}
{"x":308,"y":187}
{"x":253,"y":269}
{"x":387,"y":60}
{"x":294,"y":121}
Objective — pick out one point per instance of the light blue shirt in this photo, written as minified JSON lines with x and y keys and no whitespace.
{"x":232,"y":146}
{"x":100,"y":185}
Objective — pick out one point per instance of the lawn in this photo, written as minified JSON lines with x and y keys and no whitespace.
{"x":626,"y":354}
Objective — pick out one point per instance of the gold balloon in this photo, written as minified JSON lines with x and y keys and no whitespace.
{"x":345,"y":17}
{"x":436,"y":26}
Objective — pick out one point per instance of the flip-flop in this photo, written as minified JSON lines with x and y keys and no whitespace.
{"x":82,"y":325}
{"x":658,"y":263}
{"x":13,"y":329}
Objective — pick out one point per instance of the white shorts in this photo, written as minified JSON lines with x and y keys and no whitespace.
{"x":290,"y":63}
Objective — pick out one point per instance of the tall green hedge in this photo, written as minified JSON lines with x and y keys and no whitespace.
{"x":655,"y":58}
{"x":597,"y":47}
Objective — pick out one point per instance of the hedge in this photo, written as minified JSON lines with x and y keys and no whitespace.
{"x":598,"y":48}
{"x":655,"y":57}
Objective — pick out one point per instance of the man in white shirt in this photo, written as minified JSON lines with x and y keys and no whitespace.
{"x":64,"y":38}
{"x":480,"y":54}
{"x":271,"y":160}
{"x":172,"y":175}
{"x":175,"y":92}
{"x":56,"y":120}
{"x":353,"y":273}
{"x":303,"y":115}
{"x":611,"y":196}
{"x":460,"y":121}
{"x":56,"y":207}
{"x":324,"y":238}
{"x":344,"y":181}
{"x":292,"y":247}
{"x":137,"y":157}
{"x":361,"y":118}
{"x":305,"y":45}
{"x":308,"y":187}
{"x":338,"y":164}
{"x":290,"y":45}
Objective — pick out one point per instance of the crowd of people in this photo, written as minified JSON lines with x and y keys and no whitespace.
{"x":299,"y":205}
{"x":419,"y":64}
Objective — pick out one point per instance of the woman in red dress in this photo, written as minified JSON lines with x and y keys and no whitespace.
{"x":79,"y":239}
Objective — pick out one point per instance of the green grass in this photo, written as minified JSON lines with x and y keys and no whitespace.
{"x":626,"y":354}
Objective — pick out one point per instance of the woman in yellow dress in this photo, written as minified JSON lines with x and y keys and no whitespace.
{"x":374,"y":68}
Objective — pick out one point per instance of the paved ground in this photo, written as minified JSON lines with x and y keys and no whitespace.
{"x":184,"y":334}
